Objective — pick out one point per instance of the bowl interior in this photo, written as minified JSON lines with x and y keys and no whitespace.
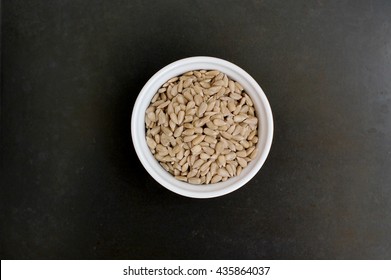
{"x":263,"y":111}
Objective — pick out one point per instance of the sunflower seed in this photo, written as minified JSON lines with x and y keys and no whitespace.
{"x":189,"y":138}
{"x":155,"y":130}
{"x":165,"y":166}
{"x":204,"y":156}
{"x":198,"y":100}
{"x":180,"y":118}
{"x":161,"y":150}
{"x":181,"y":157}
{"x":238,"y":137}
{"x":201,"y":109}
{"x":178,"y":131}
{"x":172,"y":125}
{"x":240,"y":118}
{"x":219,"y":122}
{"x":208,"y":177}
{"x":188,"y":119}
{"x":210,"y":132}
{"x":205,"y":166}
{"x":194,"y":181}
{"x":230,"y":170}
{"x":219,"y":147}
{"x":214,"y":90}
{"x":231,"y":85}
{"x":203,"y":174}
{"x":174,"y":118}
{"x":241,"y":153}
{"x":225,"y":80}
{"x":245,"y":144}
{"x":166,"y":131}
{"x":196,"y":149}
{"x":218,"y":83}
{"x":251,"y":135}
{"x":223,"y":172}
{"x":151,"y":143}
{"x":181,"y":178}
{"x":174,"y":90}
{"x":241,"y":161}
{"x":216,"y":179}
{"x":208,"y":150}
{"x":188,"y":132}
{"x":238,"y":86}
{"x":198,"y":139}
{"x":187,"y":83}
{"x":221,"y":161}
{"x":198,"y":163}
{"x":212,"y":73}
{"x":226,"y":135}
{"x":254,"y":154}
{"x":205,"y":85}
{"x":211,"y":125}
{"x":252,"y":120}
{"x":230,"y":156}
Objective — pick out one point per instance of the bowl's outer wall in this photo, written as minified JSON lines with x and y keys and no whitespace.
{"x":263,"y":111}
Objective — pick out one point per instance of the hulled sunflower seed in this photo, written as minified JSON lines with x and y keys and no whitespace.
{"x":196,"y":149}
{"x":198,"y":139}
{"x":189,"y":138}
{"x":221,"y":161}
{"x":219,"y":147}
{"x":241,"y":153}
{"x":188,"y":132}
{"x":197,"y":164}
{"x":230,"y":156}
{"x":181,"y":178}
{"x":216,"y":179}
{"x":230,"y":170}
{"x":242,"y":161}
{"x":211,"y":125}
{"x":254,"y":153}
{"x":195,"y":181}
{"x":240,"y":118}
{"x":151,"y":143}
{"x":208,"y":178}
{"x":204,"y":156}
{"x":252,"y":120}
{"x":219,"y":122}
{"x":205,"y":165}
{"x":178,"y":131}
{"x":210,"y":132}
{"x":208,"y":150}
{"x":223,"y":172}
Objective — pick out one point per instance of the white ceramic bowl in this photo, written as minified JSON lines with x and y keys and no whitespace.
{"x":263,"y":111}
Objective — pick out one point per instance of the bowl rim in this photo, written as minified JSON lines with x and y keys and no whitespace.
{"x":169,"y":182}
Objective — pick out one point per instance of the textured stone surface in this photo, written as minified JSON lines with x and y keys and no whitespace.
{"x":72,"y":186}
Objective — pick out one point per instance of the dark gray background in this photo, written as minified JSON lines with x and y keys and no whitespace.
{"x":72,"y":186}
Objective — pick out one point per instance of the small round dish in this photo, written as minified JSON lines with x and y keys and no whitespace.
{"x":263,"y":111}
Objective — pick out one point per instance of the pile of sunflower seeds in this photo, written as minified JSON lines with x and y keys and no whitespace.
{"x":202,"y":127}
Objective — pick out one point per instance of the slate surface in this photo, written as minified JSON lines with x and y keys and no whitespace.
{"x":72,"y":186}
